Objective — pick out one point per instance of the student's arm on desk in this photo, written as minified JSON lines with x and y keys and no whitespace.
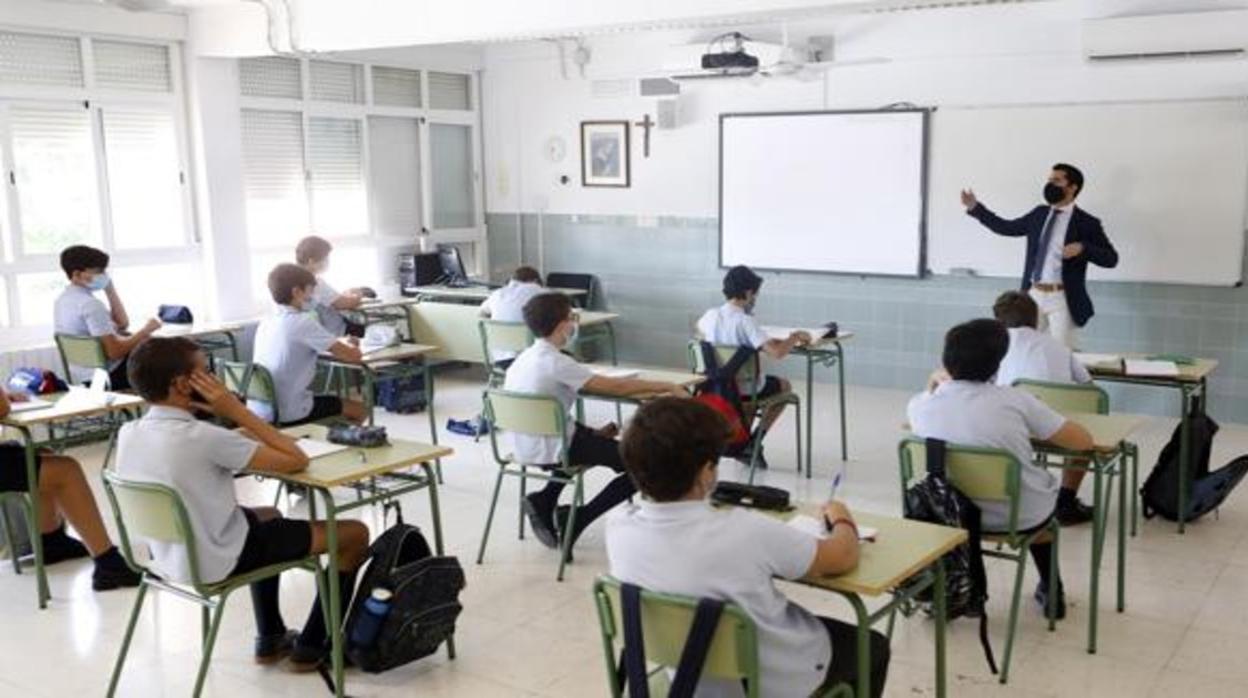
{"x":630,"y":387}
{"x":1072,"y":437}
{"x":346,"y":349}
{"x":347,"y":301}
{"x":119,"y":346}
{"x":837,"y":553}
{"x":780,"y":348}
{"x":277,"y":453}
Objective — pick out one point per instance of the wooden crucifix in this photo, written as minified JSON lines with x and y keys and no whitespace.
{"x":646,"y":124}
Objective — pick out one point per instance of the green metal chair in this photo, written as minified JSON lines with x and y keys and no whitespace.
{"x":534,"y":415}
{"x":499,"y":336}
{"x":251,"y":381}
{"x":993,"y":475}
{"x":754,"y":407}
{"x":81,"y":351}
{"x":665,"y":622}
{"x":155,"y":512}
{"x":1088,"y":398}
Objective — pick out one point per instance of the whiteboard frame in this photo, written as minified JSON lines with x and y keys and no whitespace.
{"x":921,"y":271}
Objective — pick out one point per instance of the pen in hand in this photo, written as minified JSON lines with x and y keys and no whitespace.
{"x":836,"y":484}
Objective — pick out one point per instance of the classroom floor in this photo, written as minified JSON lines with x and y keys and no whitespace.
{"x":523,"y":634}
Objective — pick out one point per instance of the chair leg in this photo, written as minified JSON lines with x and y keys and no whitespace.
{"x":524,"y":481}
{"x":1135,"y":487}
{"x":9,"y":540}
{"x":125,"y":641}
{"x":565,"y":549}
{"x":797,"y":416}
{"x":209,"y":641}
{"x":489,"y":518}
{"x":1051,"y":601}
{"x":758,"y":443}
{"x":1009,"y":637}
{"x":205,"y":622}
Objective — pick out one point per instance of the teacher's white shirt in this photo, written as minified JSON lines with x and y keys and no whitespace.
{"x":1051,"y":272}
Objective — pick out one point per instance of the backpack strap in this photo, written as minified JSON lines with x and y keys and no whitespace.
{"x":697,"y":644}
{"x":972,"y":521}
{"x":936,"y":458}
{"x":633,"y":661}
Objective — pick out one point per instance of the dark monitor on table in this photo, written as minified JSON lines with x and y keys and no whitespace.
{"x":452,"y":264}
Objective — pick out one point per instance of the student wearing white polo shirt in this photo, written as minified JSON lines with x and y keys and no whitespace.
{"x":78,"y":312}
{"x":672,"y":541}
{"x":1036,"y":355}
{"x":312,"y":253}
{"x":733,"y":324}
{"x":544,"y":369}
{"x":288,"y":344}
{"x":506,"y":304}
{"x":200,"y":460}
{"x":966,"y":408}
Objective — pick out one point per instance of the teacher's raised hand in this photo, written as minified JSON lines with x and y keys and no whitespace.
{"x":968,"y":199}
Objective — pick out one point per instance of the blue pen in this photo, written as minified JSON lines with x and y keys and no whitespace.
{"x":836,"y":484}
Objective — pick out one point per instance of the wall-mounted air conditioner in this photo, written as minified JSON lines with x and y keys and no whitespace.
{"x":1183,"y":35}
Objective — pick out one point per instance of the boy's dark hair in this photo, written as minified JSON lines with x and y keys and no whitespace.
{"x":154,"y":364}
{"x":740,"y":280}
{"x":973,"y":350}
{"x":285,"y":278}
{"x":81,"y":258}
{"x":1016,"y":309}
{"x":312,"y":249}
{"x":544,"y":312}
{"x":668,"y":442}
{"x":526,"y":275}
{"x":1073,"y":175}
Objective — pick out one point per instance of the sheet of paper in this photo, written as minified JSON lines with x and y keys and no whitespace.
{"x":1089,"y":359}
{"x":33,"y":403}
{"x":1136,"y":367}
{"x":316,"y":449}
{"x":815,"y":527}
{"x":79,"y":397}
{"x":617,"y":372}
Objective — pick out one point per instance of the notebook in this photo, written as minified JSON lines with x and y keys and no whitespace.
{"x":1144,"y":367}
{"x":816,"y":528}
{"x":1089,"y":359}
{"x":617,"y":372}
{"x":315,"y":449}
{"x":27,"y":405}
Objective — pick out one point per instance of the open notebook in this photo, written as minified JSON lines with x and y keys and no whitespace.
{"x":815,"y":527}
{"x":316,"y":449}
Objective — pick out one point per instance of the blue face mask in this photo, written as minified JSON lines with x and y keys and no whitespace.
{"x":99,"y":282}
{"x":576,"y":334}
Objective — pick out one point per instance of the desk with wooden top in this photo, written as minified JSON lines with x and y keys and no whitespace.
{"x":829,"y":352}
{"x":362,"y":468}
{"x":477,"y":293}
{"x":683,"y":379}
{"x":121,"y":405}
{"x":903,"y":550}
{"x":1191,"y":383}
{"x":1109,"y":437}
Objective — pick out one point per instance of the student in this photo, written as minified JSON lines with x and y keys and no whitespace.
{"x":673,"y":541}
{"x":312,"y":253}
{"x":78,"y":312}
{"x":506,"y":304}
{"x":964,"y":407}
{"x":1039,"y":356}
{"x":288,"y":344}
{"x":544,"y":369}
{"x":200,"y":461}
{"x":733,"y":323}
{"x":64,"y":495}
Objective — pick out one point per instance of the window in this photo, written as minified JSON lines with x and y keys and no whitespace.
{"x":396,"y":87}
{"x":145,"y":183}
{"x":129,"y":66}
{"x":450,"y":150}
{"x":34,"y":59}
{"x":336,"y":82}
{"x":55,"y":177}
{"x":336,"y":173}
{"x":271,"y":77}
{"x":450,"y":91}
{"x":274,"y":177}
{"x":394,"y":178}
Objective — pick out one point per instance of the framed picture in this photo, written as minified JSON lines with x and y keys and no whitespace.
{"x":604,"y":154}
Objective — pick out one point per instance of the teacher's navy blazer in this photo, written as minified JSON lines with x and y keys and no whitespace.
{"x":1084,"y":228}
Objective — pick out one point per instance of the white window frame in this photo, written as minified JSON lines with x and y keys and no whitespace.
{"x":424,"y":117}
{"x":14,"y":262}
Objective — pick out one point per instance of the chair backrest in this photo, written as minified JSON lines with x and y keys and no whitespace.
{"x":497,"y":336}
{"x":665,"y":622}
{"x":77,"y":350}
{"x":1068,"y":397}
{"x":150,"y":511}
{"x":252,"y":381}
{"x":451,"y":327}
{"x":988,"y":474}
{"x":747,"y":375}
{"x":525,"y":413}
{"x":584,"y":282}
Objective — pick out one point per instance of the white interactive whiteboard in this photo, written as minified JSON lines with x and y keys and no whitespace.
{"x":823,"y":191}
{"x":1169,"y":181}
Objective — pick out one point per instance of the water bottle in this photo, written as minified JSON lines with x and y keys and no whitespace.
{"x":368,"y":625}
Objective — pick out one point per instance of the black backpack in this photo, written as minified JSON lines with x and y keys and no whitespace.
{"x":424,"y":605}
{"x":935,"y":500}
{"x":631,"y":670}
{"x":1205,"y":489}
{"x":721,"y":380}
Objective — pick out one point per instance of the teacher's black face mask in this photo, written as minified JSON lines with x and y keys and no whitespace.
{"x":1053,"y":193}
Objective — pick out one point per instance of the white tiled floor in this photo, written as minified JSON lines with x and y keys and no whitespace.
{"x":523,"y":634}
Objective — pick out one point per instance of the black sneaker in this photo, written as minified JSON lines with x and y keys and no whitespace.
{"x":112,"y":572}
{"x":1074,"y":513}
{"x":540,"y":522}
{"x":1042,"y":597}
{"x":271,"y":649}
{"x":59,"y":547}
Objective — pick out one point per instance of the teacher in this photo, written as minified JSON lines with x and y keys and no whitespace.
{"x":1061,"y":240}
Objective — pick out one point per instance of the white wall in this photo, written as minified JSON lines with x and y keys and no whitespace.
{"x":1014,"y":54}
